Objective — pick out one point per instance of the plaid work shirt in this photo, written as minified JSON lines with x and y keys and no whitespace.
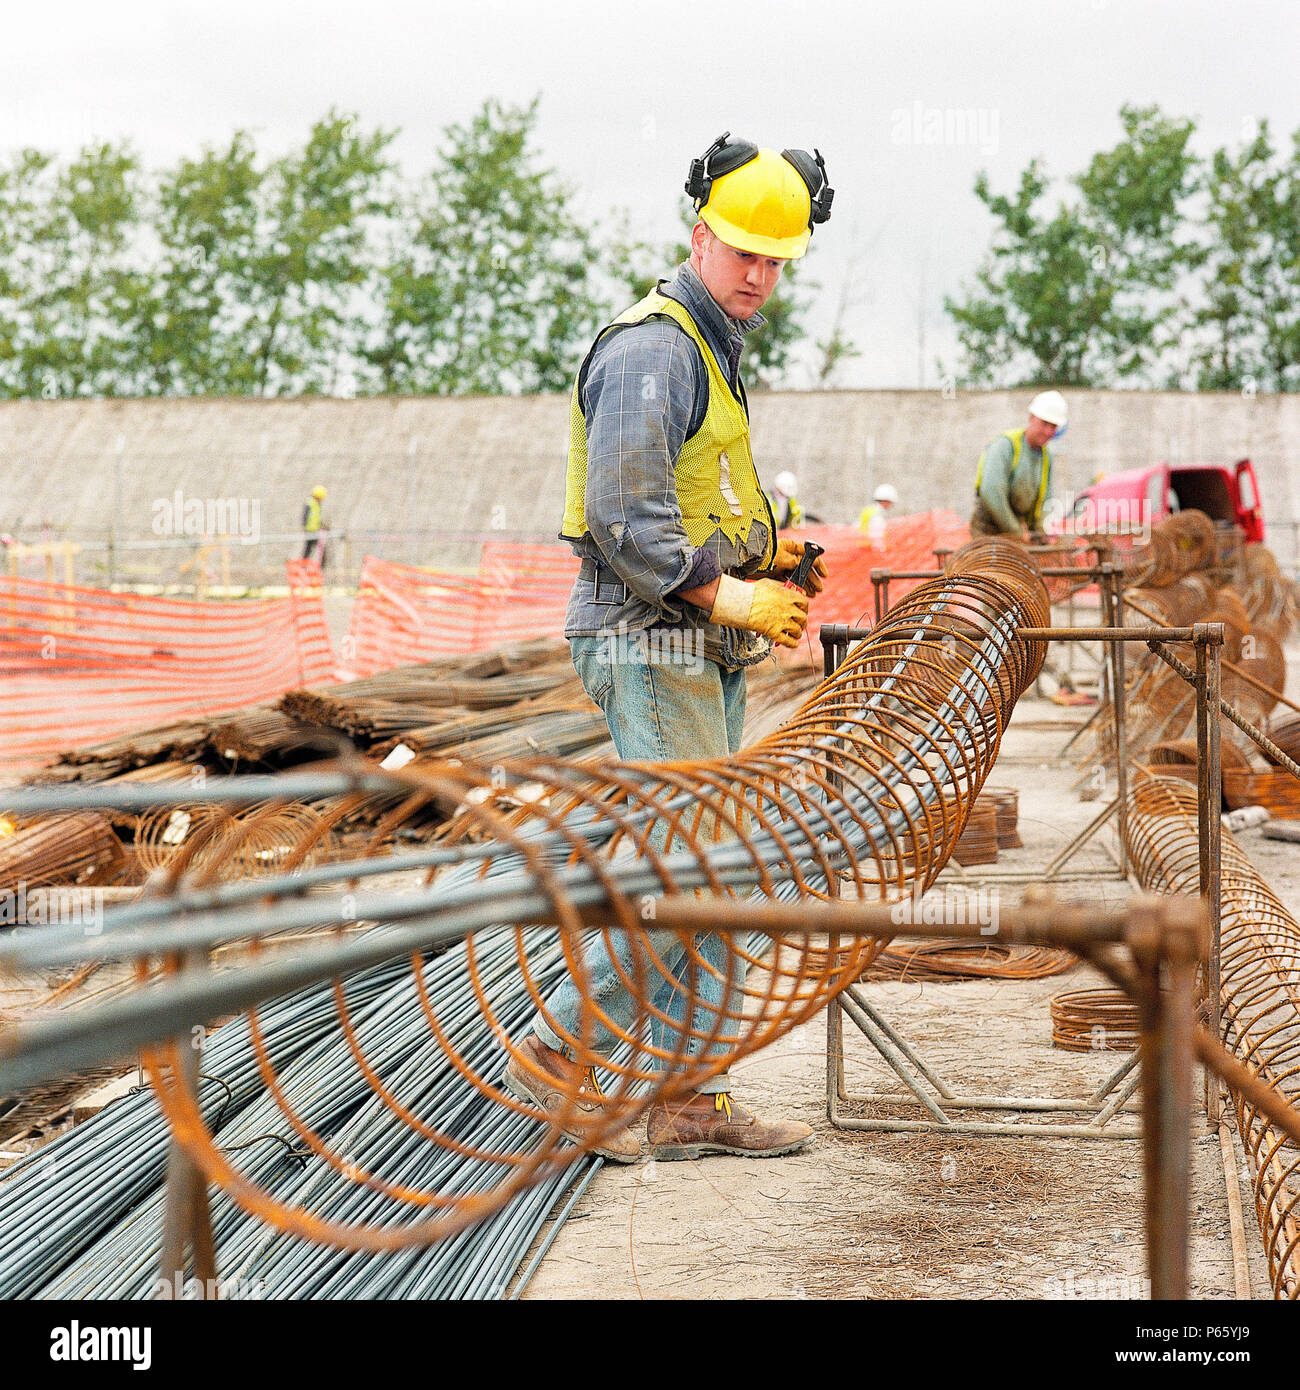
{"x":646,"y":392}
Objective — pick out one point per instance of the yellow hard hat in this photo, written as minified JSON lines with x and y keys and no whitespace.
{"x":318,"y":491}
{"x":758,"y":200}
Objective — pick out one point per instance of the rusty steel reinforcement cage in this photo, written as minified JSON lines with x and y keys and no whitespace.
{"x":555,"y":869}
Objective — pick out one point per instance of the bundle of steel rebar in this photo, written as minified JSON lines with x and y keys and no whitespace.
{"x":366,"y":719}
{"x":121,"y":1260}
{"x":76,"y":848}
{"x":1006,"y":805}
{"x":250,"y":734}
{"x":1285,"y":732}
{"x":258,"y":735}
{"x":179,"y":742}
{"x":59,"y":1200}
{"x":979,"y":840}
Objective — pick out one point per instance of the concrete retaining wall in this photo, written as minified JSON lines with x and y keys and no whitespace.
{"x":444,"y":464}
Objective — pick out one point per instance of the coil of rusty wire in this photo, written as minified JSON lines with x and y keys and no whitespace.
{"x":912,"y":962}
{"x":1094,"y":1020}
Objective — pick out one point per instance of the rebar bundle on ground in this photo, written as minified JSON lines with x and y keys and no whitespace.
{"x":77,"y":848}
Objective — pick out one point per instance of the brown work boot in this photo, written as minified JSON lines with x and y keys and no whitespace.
{"x":717,"y":1125}
{"x":622,"y":1146}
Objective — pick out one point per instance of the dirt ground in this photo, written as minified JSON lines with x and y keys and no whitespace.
{"x":906,"y":1215}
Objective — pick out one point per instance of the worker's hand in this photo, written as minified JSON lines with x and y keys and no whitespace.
{"x":765,"y":606}
{"x":788,"y":555}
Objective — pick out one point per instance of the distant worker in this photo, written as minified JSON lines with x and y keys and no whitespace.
{"x":313,"y":525}
{"x":785,"y":508}
{"x":875,"y":517}
{"x":1013,"y":479}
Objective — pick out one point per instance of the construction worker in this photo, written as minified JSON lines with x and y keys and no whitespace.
{"x":874,"y":519}
{"x":1013,"y":480}
{"x":313,"y":525}
{"x":678,"y":544}
{"x":785,"y":506}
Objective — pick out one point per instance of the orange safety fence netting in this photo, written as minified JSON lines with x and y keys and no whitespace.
{"x":78,"y":665}
{"x":404,"y":614}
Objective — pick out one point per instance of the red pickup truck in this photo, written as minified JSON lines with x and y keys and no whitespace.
{"x":1142,"y":497}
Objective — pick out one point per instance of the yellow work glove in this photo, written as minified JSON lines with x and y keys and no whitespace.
{"x":788,"y":555}
{"x":766,"y":607}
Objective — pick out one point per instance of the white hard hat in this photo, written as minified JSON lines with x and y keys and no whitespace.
{"x":785,"y":482}
{"x":886,"y":492}
{"x":1050,"y":406}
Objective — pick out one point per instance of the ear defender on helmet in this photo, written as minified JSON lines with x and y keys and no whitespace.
{"x":722,"y":157}
{"x":758,"y":201}
{"x":812,"y":169}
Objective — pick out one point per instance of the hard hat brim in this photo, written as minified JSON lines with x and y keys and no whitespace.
{"x":785,"y":248}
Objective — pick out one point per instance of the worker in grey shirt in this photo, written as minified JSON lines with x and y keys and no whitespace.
{"x":643,"y":393}
{"x":681,"y":587}
{"x":1013,"y":480}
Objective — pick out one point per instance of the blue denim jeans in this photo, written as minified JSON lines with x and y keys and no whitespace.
{"x":663,"y":701}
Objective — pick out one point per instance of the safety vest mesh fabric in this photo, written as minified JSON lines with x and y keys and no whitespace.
{"x":313,"y":514}
{"x":1017,"y":438}
{"x":717,"y":485}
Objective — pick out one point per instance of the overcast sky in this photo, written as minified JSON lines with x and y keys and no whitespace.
{"x":630,"y":91}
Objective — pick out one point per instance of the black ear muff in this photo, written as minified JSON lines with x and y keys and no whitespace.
{"x":812,"y":170}
{"x":722,"y":157}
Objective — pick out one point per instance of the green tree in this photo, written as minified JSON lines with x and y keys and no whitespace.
{"x":488,"y":286}
{"x":1135,"y":199}
{"x":300,"y":291}
{"x":25,"y":180}
{"x":630,"y":265}
{"x":1040,"y":295}
{"x":190,"y":335}
{"x":1084,"y":294}
{"x":1246,"y":325}
{"x":73,"y":276}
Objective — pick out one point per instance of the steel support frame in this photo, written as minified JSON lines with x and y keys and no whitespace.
{"x":1150,"y":947}
{"x":1113,"y":1096}
{"x":187,"y":1215}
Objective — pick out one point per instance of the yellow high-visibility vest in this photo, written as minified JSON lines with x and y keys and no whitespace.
{"x":1017,"y":438}
{"x":313,"y":514}
{"x":717,"y":485}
